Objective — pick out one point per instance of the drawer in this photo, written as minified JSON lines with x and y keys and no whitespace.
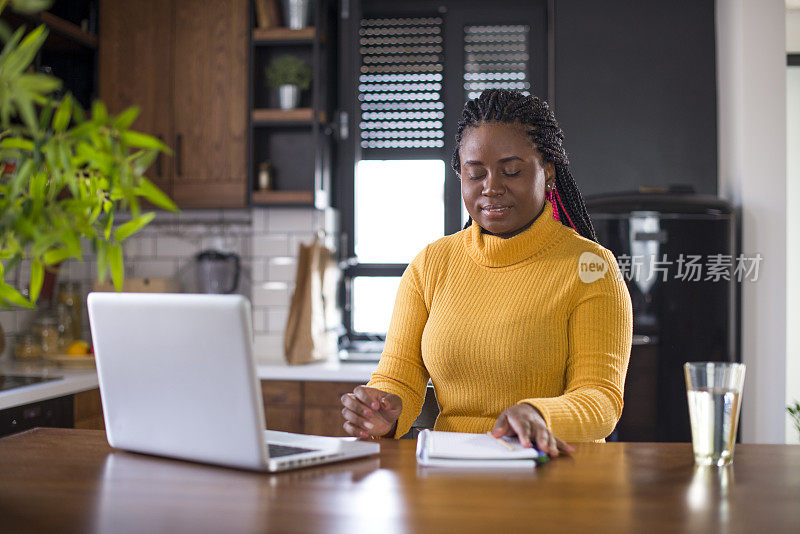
{"x":284,"y":418}
{"x":327,"y":393}
{"x":323,"y":421}
{"x":281,"y":392}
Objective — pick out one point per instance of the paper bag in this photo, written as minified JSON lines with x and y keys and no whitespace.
{"x":311,"y":329}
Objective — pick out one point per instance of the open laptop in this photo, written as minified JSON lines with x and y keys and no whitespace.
{"x":178,"y":379}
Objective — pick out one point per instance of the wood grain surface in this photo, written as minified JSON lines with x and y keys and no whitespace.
{"x":64,"y":480}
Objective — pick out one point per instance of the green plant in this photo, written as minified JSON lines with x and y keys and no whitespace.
{"x":65,"y":173}
{"x":289,"y":70}
{"x":794,"y":412}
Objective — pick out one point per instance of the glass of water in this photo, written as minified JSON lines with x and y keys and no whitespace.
{"x":714,"y":391}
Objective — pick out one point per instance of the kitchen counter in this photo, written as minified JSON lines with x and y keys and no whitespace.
{"x":319,"y":372}
{"x":77,"y":380}
{"x":72,"y":381}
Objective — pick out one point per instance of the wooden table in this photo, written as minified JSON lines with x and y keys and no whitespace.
{"x":54,"y":480}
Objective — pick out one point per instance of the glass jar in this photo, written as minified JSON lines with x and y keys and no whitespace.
{"x":47,"y":327}
{"x":65,"y":331}
{"x":69,"y":295}
{"x":27,"y":348}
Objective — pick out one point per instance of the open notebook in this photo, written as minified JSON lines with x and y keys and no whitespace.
{"x":456,"y":449}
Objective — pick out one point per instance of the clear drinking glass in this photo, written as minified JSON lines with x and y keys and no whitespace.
{"x":714,"y":391}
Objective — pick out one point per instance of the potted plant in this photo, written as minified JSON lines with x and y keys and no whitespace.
{"x":65,"y":173}
{"x":290,"y":75}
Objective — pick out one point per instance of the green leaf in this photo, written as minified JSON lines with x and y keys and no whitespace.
{"x":126,"y":118}
{"x":12,"y":296}
{"x":16,"y":142}
{"x":102,"y":260}
{"x":99,"y":112}
{"x":26,"y":111}
{"x":39,"y":83}
{"x":56,"y":255}
{"x":63,"y":114}
{"x":31,"y":6}
{"x":18,"y":60}
{"x":115,"y":261}
{"x":11,"y":44}
{"x":5,"y":31}
{"x":37,"y":278}
{"x":142,"y":160}
{"x":109,"y":225}
{"x":148,"y":190}
{"x":140,"y":140}
{"x":38,"y":185}
{"x":134,"y":225}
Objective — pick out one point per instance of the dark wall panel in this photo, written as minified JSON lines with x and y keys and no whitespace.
{"x":635,"y":92}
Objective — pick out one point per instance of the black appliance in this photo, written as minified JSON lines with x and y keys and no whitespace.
{"x":51,"y":412}
{"x":679,"y":314}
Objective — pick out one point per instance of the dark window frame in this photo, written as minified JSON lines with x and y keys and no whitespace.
{"x":456,"y":14}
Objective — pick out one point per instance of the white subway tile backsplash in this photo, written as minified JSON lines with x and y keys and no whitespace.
{"x":139,"y":246}
{"x":270,"y":245}
{"x":258,"y":270}
{"x":273,"y":294}
{"x":276,"y":319}
{"x":291,"y":220}
{"x":297,"y":238}
{"x":268,"y":349}
{"x":260,"y":220}
{"x":260,"y":320}
{"x":282,"y":269}
{"x":154,"y":268}
{"x":175,"y":247}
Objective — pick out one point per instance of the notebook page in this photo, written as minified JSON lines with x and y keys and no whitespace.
{"x":475,"y":447}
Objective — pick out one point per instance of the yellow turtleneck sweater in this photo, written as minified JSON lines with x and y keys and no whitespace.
{"x":494,"y":322}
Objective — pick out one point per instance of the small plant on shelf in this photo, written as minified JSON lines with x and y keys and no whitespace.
{"x":290,"y":75}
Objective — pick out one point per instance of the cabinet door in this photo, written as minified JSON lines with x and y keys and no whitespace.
{"x":88,"y":410}
{"x":210,"y":111}
{"x":322,"y":415}
{"x":283,"y":409}
{"x":134,"y":62}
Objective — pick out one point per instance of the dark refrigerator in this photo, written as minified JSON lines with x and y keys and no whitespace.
{"x":677,"y":253}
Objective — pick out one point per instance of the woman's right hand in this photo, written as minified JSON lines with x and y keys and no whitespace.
{"x":370,"y":412}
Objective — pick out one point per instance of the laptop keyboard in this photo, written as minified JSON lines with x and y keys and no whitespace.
{"x":276,"y":451}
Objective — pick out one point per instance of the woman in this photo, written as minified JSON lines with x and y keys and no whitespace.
{"x":521,"y":319}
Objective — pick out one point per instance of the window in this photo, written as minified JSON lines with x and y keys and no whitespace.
{"x":408,"y":69}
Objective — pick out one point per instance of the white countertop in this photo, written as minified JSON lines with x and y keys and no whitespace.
{"x":322,"y":372}
{"x":71,"y":381}
{"x":75,"y":380}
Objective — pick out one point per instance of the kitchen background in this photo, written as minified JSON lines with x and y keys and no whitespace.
{"x":649,"y":94}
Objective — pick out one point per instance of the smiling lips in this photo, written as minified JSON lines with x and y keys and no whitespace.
{"x":495,"y":210}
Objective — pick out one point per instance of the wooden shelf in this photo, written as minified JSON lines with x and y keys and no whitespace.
{"x":282,"y":35}
{"x":277,"y":116}
{"x":61,"y":30}
{"x":282,"y":197}
{"x":69,"y":30}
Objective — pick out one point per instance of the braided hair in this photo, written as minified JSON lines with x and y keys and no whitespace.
{"x":512,"y":107}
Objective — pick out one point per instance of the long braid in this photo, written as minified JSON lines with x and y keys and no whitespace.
{"x":510,"y":107}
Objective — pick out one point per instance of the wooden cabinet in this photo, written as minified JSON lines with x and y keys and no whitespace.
{"x":306,"y":407}
{"x":185,"y":65}
{"x":87,"y":410}
{"x":210,"y":104}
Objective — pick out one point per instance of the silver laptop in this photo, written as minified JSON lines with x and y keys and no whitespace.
{"x":178,"y":379}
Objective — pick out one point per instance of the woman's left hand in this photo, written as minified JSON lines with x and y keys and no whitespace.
{"x":527,"y":424}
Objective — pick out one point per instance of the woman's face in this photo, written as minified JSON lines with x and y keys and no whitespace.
{"x":503,"y":178}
